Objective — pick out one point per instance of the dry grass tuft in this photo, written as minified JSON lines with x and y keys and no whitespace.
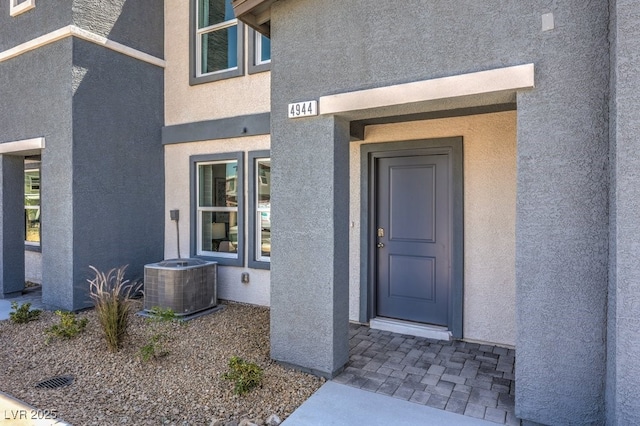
{"x":111,"y":294}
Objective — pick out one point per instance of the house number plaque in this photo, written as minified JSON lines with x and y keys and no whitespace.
{"x":303,"y":109}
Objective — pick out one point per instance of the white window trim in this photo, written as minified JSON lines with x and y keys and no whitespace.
{"x":200,"y":209}
{"x":211,"y":28}
{"x":257,"y":40}
{"x":257,"y":215}
{"x":17,"y":7}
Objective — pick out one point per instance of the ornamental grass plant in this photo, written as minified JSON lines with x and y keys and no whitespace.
{"x":111,"y":294}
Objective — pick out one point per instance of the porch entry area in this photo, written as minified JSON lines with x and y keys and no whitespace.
{"x":20,"y":213}
{"x":414,"y":235}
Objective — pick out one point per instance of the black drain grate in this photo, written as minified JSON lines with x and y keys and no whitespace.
{"x":55,"y":382}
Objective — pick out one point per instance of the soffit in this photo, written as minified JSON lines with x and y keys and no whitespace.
{"x":255,"y":13}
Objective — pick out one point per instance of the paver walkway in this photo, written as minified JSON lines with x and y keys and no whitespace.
{"x":465,"y":378}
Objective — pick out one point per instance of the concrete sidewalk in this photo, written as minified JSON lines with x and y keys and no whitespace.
{"x":34,"y":297}
{"x":335,"y":404}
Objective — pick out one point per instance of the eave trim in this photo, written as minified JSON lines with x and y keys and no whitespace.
{"x":477,"y":83}
{"x":82,"y":34}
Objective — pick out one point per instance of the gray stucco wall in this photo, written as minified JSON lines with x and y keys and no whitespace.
{"x":11,"y":236}
{"x":47,"y":16}
{"x":118,"y":176}
{"x":623,"y":362}
{"x":135,"y":23}
{"x":310,"y":261}
{"x":37,"y":104}
{"x":101,"y":114}
{"x":561,"y":254}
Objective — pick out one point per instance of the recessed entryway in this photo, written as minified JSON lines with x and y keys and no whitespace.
{"x":414,"y":238}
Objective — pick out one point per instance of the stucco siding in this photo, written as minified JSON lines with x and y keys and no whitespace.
{"x":118,"y":177}
{"x":47,"y":16}
{"x":562,"y":151}
{"x":177,"y":196}
{"x":26,"y":113}
{"x":225,"y":98}
{"x":489,"y":147}
{"x":623,"y":384}
{"x":137,"y":24}
{"x":33,"y":266}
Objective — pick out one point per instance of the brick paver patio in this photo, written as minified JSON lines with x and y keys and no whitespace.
{"x":465,"y":378}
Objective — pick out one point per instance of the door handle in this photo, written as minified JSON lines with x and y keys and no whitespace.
{"x":380,"y":245}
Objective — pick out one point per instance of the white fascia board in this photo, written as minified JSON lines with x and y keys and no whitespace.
{"x":496,"y":80}
{"x":72,"y":30}
{"x":23,"y":147}
{"x":117,"y":47}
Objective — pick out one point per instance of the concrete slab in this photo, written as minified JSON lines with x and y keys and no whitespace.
{"x":336,"y":404}
{"x":16,"y":413}
{"x":5,"y":308}
{"x":34,"y":297}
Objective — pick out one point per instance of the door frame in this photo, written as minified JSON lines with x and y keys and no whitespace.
{"x":369,"y":153}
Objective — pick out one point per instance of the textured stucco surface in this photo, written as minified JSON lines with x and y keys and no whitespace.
{"x":33,"y":266}
{"x":134,"y":23}
{"x":310,"y":260}
{"x":11,"y":235}
{"x":47,"y":16}
{"x":561,"y":210}
{"x":101,"y":114}
{"x":489,"y":147}
{"x":177,"y":196}
{"x":623,"y":381}
{"x":118,"y":176}
{"x":25,"y":113}
{"x":226,"y":98}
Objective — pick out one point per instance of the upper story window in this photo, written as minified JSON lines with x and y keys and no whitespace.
{"x":259,"y":52}
{"x":20,"y":6}
{"x":216,"y":40}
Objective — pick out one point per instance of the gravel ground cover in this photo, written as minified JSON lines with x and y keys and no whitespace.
{"x":184,"y":387}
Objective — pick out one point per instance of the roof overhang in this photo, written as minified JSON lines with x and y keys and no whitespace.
{"x":255,"y":13}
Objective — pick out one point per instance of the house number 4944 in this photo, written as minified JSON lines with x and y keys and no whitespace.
{"x":303,"y":109}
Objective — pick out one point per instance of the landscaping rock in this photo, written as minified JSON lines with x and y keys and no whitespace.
{"x":273,"y":420}
{"x":184,"y":387}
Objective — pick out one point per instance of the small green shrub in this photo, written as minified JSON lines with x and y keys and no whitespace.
{"x":158,"y":314}
{"x":111,"y":295}
{"x":245,"y":375}
{"x":69,"y":326}
{"x":154,"y":348}
{"x":23,"y":314}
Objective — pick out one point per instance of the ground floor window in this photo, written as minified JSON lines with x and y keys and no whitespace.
{"x":32,"y":202}
{"x":218,"y":207}
{"x":260,"y":209}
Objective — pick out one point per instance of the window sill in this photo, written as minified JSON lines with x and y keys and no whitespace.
{"x":258,"y":264}
{"x":223,"y":261}
{"x":223,"y":75}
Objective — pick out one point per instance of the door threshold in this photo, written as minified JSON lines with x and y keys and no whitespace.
{"x":411,"y":328}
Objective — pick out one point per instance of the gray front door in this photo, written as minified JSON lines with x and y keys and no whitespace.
{"x":413,"y":237}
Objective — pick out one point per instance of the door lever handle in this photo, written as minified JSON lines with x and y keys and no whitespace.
{"x":380,"y":245}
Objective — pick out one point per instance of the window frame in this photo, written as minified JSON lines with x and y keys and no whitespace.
{"x":256,"y":261}
{"x":195,"y":53}
{"x":34,"y":245}
{"x":256,"y":66}
{"x":16,"y":7}
{"x":195,"y":161}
